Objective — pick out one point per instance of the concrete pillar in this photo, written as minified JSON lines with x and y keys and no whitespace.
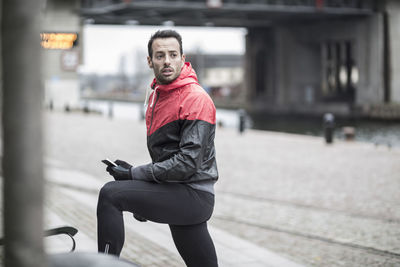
{"x":283,"y":43}
{"x":370,"y":59}
{"x":393,"y":11}
{"x":260,"y":66}
{"x":249,"y":67}
{"x":22,"y":133}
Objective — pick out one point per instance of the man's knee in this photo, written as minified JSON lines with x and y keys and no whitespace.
{"x":106,"y":195}
{"x":107,"y":190}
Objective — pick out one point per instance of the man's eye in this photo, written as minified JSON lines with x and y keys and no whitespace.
{"x":159,"y":57}
{"x":174,"y":55}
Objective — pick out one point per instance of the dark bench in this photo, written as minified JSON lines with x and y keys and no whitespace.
{"x":79,"y":259}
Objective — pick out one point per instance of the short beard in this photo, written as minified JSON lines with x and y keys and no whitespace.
{"x":161,"y":80}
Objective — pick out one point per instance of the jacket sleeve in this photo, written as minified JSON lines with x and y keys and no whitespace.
{"x":196,"y":141}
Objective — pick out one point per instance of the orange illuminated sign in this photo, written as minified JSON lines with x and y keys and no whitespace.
{"x":58,"y":40}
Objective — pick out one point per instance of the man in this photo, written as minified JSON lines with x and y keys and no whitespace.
{"x":176,"y":188}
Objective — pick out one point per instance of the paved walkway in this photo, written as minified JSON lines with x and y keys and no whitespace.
{"x":72,"y":201}
{"x":282,"y":199}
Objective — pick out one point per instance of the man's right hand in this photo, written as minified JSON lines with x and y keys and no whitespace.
{"x":122,"y":163}
{"x":121,"y":172}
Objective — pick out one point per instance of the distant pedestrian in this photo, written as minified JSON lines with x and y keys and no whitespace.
{"x":177,"y":187}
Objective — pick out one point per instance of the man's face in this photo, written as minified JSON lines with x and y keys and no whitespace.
{"x":166,"y":60}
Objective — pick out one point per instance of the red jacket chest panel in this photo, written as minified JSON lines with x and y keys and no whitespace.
{"x":164,"y":110}
{"x":189,"y":102}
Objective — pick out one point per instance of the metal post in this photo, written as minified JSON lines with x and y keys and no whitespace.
{"x":110,"y":109}
{"x":22,"y":133}
{"x":242,"y":120}
{"x":329,"y":127}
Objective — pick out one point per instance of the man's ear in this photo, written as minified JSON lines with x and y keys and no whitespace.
{"x":149,"y":62}
{"x":184,"y":58}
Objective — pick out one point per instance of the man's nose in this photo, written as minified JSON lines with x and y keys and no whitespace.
{"x":167,"y":60}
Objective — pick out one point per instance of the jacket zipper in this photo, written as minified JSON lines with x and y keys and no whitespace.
{"x":152,"y":114}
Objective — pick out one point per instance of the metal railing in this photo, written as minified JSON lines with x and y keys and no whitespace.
{"x":356,"y":4}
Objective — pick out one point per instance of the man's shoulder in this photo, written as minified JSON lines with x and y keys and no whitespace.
{"x":194,"y":90}
{"x":196,"y":104}
{"x":192,"y":87}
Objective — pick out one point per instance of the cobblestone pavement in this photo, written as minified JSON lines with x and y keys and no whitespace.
{"x":77,"y":206}
{"x":316,"y":204}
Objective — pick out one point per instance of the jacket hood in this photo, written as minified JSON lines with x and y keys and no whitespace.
{"x":187,"y":76}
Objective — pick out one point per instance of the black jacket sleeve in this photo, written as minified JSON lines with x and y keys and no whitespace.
{"x":196,"y":141}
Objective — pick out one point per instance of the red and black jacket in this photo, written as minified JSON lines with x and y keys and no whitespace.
{"x":180,"y":120}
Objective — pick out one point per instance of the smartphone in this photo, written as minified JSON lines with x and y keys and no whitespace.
{"x":109,"y":163}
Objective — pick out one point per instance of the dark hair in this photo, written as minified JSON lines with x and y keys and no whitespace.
{"x":164,"y":34}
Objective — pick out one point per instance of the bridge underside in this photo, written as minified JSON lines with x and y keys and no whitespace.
{"x":230,"y":13}
{"x":309,"y":56}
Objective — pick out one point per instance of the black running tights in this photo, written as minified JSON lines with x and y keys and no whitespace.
{"x":186,"y":210}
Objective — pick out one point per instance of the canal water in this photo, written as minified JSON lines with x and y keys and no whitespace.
{"x":377,"y":132}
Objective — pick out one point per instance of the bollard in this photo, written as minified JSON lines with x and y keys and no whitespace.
{"x":142,"y":112}
{"x":242,"y":120}
{"x":110,"y":109}
{"x":329,"y":127}
{"x":86,"y":107}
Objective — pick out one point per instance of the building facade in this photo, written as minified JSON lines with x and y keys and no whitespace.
{"x":61,"y":38}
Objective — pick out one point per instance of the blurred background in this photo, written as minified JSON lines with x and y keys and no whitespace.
{"x":285,"y":62}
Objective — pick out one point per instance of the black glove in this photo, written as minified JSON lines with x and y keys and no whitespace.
{"x":121,"y":172}
{"x":124,"y":164}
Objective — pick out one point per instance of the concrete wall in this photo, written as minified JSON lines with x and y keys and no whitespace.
{"x":393,"y":10}
{"x":260,"y":67}
{"x":372,"y":57}
{"x":298,"y":66}
{"x":294,"y":60}
{"x":366,"y":37}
